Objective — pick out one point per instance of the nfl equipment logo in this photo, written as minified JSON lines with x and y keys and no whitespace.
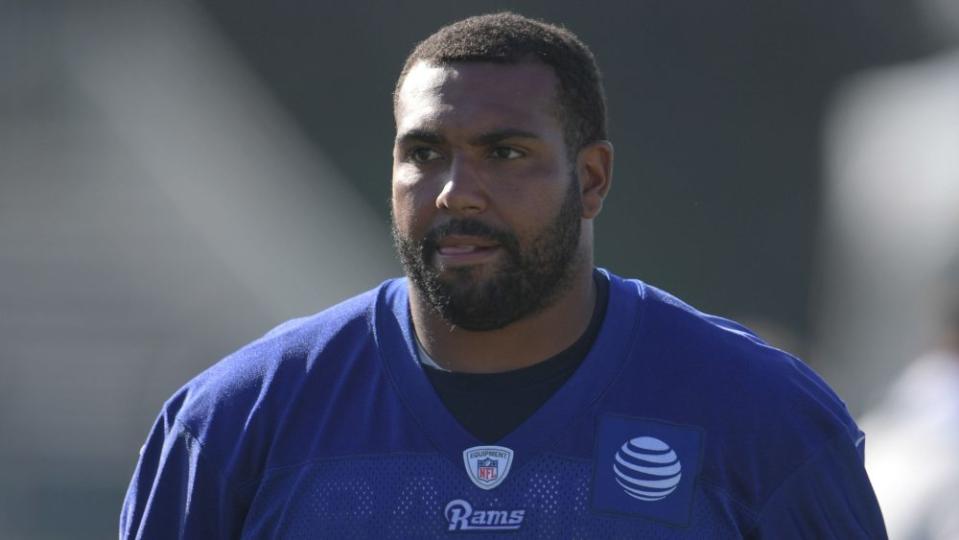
{"x":487,"y":469}
{"x":487,"y":466}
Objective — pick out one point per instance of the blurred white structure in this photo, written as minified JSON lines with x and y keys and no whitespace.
{"x":157,"y":211}
{"x":912,"y":450}
{"x":891,"y":221}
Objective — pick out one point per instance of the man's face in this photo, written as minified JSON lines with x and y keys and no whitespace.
{"x":486,"y":206}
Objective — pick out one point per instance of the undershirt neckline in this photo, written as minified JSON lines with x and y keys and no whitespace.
{"x":490,"y":405}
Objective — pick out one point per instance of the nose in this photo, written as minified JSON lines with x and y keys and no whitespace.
{"x":464,"y":192}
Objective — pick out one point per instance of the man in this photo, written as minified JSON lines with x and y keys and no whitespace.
{"x":506,"y":386}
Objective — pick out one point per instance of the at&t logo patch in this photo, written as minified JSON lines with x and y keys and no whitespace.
{"x":646,"y":467}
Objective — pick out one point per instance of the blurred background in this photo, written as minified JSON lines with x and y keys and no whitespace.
{"x":178,"y":177}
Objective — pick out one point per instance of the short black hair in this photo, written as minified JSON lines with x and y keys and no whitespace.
{"x":509,"y":38}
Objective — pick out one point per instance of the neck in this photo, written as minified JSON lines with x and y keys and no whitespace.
{"x":520,"y":344}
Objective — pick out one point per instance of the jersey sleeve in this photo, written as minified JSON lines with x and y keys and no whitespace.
{"x":828,"y":497}
{"x":177,"y":491}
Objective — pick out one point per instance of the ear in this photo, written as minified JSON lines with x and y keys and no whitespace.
{"x":594,"y":166}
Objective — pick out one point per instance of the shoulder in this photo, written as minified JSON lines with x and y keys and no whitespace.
{"x":245,"y":393}
{"x":723,"y":361}
{"x":764,"y":413}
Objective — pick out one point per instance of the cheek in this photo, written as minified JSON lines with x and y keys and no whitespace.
{"x":530,"y":207}
{"x":413,"y":208}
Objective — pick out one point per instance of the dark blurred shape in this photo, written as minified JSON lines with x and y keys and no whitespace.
{"x":948,"y":295}
{"x":890,"y":218}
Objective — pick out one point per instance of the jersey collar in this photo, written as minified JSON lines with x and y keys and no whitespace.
{"x":573,"y":402}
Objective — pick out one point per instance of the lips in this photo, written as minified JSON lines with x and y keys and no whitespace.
{"x":456,"y":244}
{"x":459,"y":249}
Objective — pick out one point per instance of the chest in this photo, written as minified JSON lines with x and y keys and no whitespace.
{"x":400,"y":495}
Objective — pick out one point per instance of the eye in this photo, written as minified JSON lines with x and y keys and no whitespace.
{"x":506,"y":152}
{"x":423,"y":154}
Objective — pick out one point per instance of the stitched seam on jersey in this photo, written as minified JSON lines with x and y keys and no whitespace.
{"x":267,"y":474}
{"x":636,"y":331}
{"x":203,"y":449}
{"x":722,"y":492}
{"x":370,"y":311}
{"x":634,"y":335}
{"x":391,"y":376}
{"x":812,"y":457}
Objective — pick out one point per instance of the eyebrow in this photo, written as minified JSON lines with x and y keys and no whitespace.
{"x":419,"y":135}
{"x":484,"y":139}
{"x":494,"y":137}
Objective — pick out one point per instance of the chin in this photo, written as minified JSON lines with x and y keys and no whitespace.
{"x":471,"y":273}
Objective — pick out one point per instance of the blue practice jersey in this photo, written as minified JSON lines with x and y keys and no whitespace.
{"x":676,"y":424}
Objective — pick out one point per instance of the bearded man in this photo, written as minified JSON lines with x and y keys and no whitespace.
{"x":506,"y":385}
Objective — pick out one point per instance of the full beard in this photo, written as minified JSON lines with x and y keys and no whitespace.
{"x":527,"y":280}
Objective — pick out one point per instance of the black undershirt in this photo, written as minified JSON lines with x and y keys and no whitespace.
{"x":490,"y":405}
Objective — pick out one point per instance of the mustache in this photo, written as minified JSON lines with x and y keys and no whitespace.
{"x":466,"y":227}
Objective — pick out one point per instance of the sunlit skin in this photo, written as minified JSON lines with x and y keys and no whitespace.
{"x":484,"y":141}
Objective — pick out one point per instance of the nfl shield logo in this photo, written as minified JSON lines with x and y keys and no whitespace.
{"x":487,"y":466}
{"x":487,"y":469}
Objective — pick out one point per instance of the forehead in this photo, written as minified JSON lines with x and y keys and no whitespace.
{"x":477,"y":94}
